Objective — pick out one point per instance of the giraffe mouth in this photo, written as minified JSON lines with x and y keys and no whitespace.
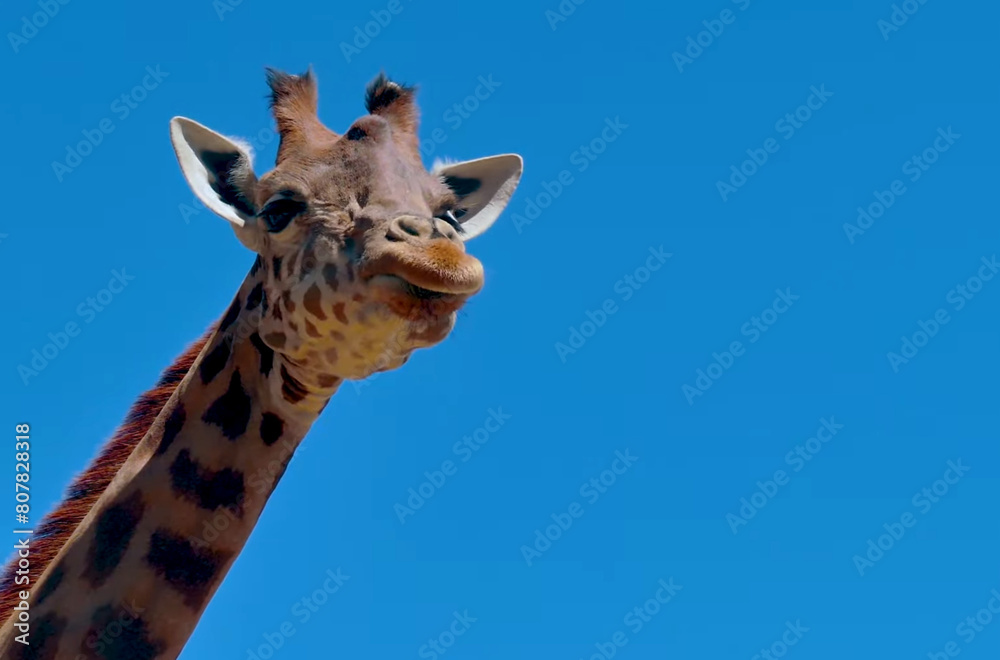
{"x":420,"y":292}
{"x":414,"y":302}
{"x":439,"y":269}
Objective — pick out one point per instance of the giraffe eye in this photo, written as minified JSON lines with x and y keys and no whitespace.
{"x":278,"y":213}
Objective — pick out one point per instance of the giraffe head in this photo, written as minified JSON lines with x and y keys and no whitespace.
{"x":361,"y":251}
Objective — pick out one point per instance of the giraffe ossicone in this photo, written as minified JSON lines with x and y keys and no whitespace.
{"x":360,"y":260}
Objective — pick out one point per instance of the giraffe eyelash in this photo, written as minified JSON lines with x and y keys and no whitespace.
{"x":451,"y":216}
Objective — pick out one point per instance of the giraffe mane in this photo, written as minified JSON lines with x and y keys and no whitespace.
{"x":58,"y":525}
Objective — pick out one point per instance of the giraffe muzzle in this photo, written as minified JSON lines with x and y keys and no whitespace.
{"x":426,"y":254}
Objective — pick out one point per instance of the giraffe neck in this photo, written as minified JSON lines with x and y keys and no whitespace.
{"x":137,"y":574}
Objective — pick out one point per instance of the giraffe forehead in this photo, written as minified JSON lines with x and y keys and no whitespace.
{"x":365,"y":167}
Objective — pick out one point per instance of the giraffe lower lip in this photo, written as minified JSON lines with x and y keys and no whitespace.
{"x":413,"y":302}
{"x":404,"y":286}
{"x":439,"y":266}
{"x":420,"y":292}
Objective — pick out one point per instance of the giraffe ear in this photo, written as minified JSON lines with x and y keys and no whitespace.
{"x":483,"y":186}
{"x":220,"y":172}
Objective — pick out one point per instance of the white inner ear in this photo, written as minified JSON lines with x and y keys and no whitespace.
{"x":192,"y":143}
{"x":498,"y":177}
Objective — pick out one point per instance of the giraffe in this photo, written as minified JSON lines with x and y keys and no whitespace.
{"x":360,"y":260}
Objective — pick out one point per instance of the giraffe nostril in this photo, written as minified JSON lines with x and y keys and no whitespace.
{"x":409,"y":225}
{"x":406,"y":228}
{"x":445,"y":229}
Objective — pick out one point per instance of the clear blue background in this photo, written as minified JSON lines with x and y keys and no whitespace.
{"x":655,"y":185}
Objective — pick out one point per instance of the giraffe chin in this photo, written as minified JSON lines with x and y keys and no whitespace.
{"x":414,"y":303}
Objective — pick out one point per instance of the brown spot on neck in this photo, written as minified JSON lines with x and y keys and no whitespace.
{"x":115,"y":528}
{"x":43,"y":641}
{"x":122,"y":635}
{"x":193,"y":572}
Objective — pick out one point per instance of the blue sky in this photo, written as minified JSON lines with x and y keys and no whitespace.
{"x":683,"y":300}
